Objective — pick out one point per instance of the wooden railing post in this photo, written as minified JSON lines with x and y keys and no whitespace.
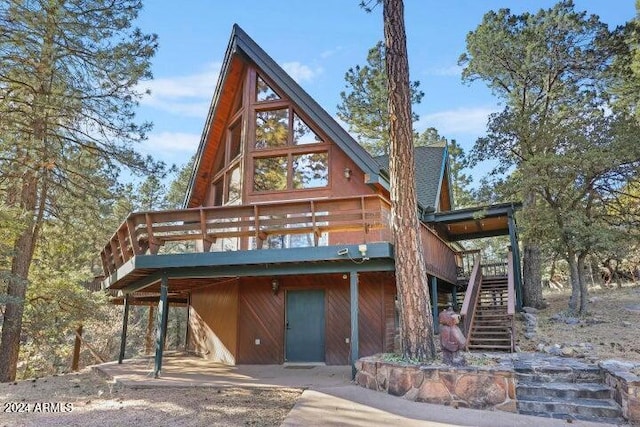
{"x":206,"y":240}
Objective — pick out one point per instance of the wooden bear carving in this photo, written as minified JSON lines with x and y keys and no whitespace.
{"x":451,"y":338}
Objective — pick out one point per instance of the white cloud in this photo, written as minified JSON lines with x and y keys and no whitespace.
{"x":190,"y":95}
{"x":461,"y":120}
{"x":183,"y":95}
{"x":452,"y":70}
{"x":300,"y":72}
{"x":171,"y":142}
{"x":330,"y":52}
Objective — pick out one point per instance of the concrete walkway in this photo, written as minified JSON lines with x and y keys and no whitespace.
{"x":329,"y":398}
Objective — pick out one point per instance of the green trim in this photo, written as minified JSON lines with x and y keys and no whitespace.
{"x":472,"y":213}
{"x":161,"y":322}
{"x":264,"y":262}
{"x":125,"y":323}
{"x":355,"y":340}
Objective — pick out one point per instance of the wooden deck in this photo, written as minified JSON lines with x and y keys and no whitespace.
{"x":325,"y":222}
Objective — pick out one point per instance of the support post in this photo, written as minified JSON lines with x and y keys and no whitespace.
{"x":125,"y":324}
{"x":161,"y":330}
{"x":353,"y":287}
{"x":515,"y":250}
{"x":434,"y":303}
{"x":454,"y":298}
{"x":75,"y":362}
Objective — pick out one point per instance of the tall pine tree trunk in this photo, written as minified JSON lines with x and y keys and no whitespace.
{"x":31,"y":199}
{"x":531,"y":262}
{"x":17,"y":283}
{"x":416,"y":325}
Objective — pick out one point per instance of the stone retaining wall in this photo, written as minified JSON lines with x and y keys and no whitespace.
{"x":626,"y":385}
{"x":469,"y":387}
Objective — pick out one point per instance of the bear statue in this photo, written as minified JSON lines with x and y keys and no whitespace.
{"x":451,"y":338}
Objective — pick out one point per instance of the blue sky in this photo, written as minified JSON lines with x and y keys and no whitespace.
{"x":316,"y":42}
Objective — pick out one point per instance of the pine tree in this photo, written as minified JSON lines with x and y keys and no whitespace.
{"x":365,"y":106}
{"x":416,"y":324}
{"x":68,"y":89}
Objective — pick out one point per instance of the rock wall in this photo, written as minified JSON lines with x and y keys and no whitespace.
{"x":623,"y":378}
{"x":469,"y":387}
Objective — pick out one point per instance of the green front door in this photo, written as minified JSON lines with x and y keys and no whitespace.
{"x":305,"y":326}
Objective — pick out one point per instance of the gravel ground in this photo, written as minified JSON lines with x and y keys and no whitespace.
{"x":87,"y":399}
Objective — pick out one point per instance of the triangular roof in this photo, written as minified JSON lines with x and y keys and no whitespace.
{"x":431,"y":163}
{"x":243,"y":47}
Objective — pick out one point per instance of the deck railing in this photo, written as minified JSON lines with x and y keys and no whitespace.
{"x":467,"y":313}
{"x":315,"y":222}
{"x":147,"y":232}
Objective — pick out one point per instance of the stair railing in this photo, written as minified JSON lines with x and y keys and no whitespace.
{"x":468,"y":311}
{"x":511,"y":300}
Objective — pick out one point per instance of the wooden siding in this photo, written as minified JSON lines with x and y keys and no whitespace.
{"x":338,"y":324}
{"x":391,"y":327}
{"x":213,"y":324}
{"x":261,"y":317}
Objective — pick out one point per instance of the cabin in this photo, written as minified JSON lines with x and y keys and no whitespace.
{"x":283,"y":251}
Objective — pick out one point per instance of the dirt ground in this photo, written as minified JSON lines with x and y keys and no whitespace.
{"x":87,"y":399}
{"x":611,"y":326}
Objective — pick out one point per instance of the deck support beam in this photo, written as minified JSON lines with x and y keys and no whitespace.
{"x":515,"y":250}
{"x":355,"y":351}
{"x":125,"y":323}
{"x":434,"y":303}
{"x":161,"y":321}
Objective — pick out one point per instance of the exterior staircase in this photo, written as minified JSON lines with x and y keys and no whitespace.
{"x":565,"y":392}
{"x":492,"y":327}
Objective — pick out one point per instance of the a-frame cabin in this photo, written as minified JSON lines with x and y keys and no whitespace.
{"x":283,"y":251}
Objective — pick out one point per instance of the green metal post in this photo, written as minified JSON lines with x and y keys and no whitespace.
{"x":125,"y":323}
{"x":515,"y":253}
{"x":355,"y":352}
{"x":161,"y":321}
{"x":434,"y":303}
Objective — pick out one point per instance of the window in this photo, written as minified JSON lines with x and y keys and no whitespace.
{"x":310,"y":170}
{"x":287,"y":153}
{"x":270,"y":173}
{"x":264,"y":91}
{"x":302,"y":134}
{"x":235,"y":140}
{"x":272,"y":128}
{"x":234,"y":185}
{"x":218,"y":192}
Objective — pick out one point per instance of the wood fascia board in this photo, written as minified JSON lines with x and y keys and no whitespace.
{"x":213,"y":106}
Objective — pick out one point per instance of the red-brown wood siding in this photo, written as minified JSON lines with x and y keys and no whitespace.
{"x":213,"y":324}
{"x":338,"y":323}
{"x":261,"y":317}
{"x":239,"y":313}
{"x":390,"y":323}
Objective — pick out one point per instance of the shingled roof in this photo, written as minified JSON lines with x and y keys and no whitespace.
{"x":431,"y":163}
